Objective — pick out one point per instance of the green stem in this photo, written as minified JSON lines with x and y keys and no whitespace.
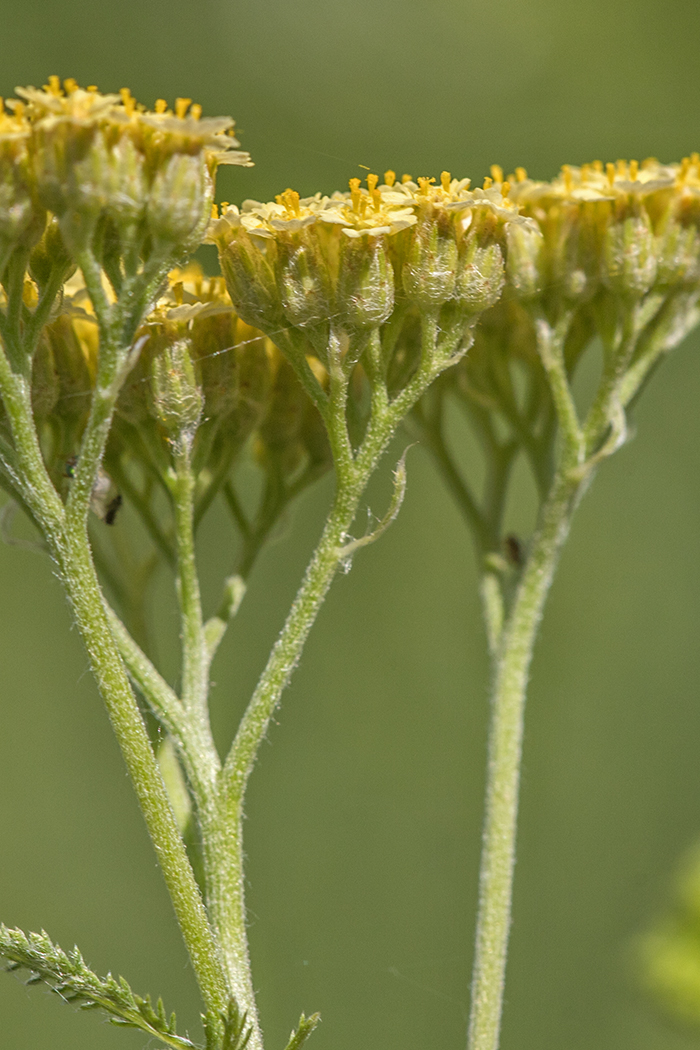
{"x":237,"y":513}
{"x":222,"y":828}
{"x":618,"y":355}
{"x":163,"y":701}
{"x":493,"y":607}
{"x":289,"y":645}
{"x":500,"y":463}
{"x":14,"y":287}
{"x":43,"y":310}
{"x":32,"y":479}
{"x":511,"y":663}
{"x":457,"y":485}
{"x":222,"y":851}
{"x":550,"y":345}
{"x":220,"y":838}
{"x":84,"y":592}
{"x":110,"y":374}
{"x":195,"y":661}
{"x":353,"y":474}
{"x":68,"y":540}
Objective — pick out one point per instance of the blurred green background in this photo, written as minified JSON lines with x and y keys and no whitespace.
{"x":365,"y":808}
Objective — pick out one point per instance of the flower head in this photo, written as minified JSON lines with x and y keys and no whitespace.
{"x":19,"y":216}
{"x":95,"y":156}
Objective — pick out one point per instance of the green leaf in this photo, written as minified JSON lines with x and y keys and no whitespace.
{"x":227,"y":1031}
{"x":67,"y":974}
{"x":303,"y":1031}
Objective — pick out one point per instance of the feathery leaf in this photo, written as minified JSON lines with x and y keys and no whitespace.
{"x":303,"y":1031}
{"x":67,"y":974}
{"x":229,"y":1030}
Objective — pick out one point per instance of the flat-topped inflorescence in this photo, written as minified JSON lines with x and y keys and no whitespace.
{"x":628,"y":226}
{"x":602,"y":250}
{"x":92,"y":158}
{"x":323,"y":269}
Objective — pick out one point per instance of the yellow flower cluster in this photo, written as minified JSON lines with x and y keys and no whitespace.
{"x":615,"y":255}
{"x":349,"y":258}
{"x":230,"y":378}
{"x":609,"y":250}
{"x":626,"y":226}
{"x":87,"y":157}
{"x":98,"y":181}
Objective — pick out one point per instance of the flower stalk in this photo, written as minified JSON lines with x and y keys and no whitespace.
{"x":512,"y":647}
{"x":590,"y":265}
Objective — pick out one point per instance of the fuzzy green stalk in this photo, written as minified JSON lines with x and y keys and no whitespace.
{"x":224,"y":830}
{"x":511,"y":664}
{"x":69,"y":546}
{"x":218,"y":794}
{"x":66,"y":532}
{"x":86,"y":599}
{"x":512,"y":633}
{"x":221,"y":846}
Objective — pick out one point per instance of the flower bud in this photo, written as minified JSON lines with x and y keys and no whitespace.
{"x":17,"y":212}
{"x":50,"y":255}
{"x":60,"y":147}
{"x":572,"y":235}
{"x":629,"y":255}
{"x":127,"y":184}
{"x":365,"y":296}
{"x":480,"y":275}
{"x":177,"y":399}
{"x":180,"y":201}
{"x":678,"y":250}
{"x":302,"y":289}
{"x":524,"y":261}
{"x":251,"y":283}
{"x":430,"y":265}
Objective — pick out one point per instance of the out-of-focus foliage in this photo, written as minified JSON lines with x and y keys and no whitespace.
{"x":670,"y":951}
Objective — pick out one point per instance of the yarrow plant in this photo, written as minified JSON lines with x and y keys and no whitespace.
{"x":129,"y":377}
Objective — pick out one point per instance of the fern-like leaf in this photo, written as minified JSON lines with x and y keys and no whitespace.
{"x":67,"y":974}
{"x":229,"y":1030}
{"x":303,"y":1031}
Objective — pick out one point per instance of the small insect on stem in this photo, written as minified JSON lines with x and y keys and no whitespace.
{"x":112,"y":508}
{"x":514,"y":550}
{"x":104,"y":502}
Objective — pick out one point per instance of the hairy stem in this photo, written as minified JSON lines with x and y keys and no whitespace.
{"x":223,"y":831}
{"x":618,"y":354}
{"x":511,"y":664}
{"x":550,"y":345}
{"x":67,"y":537}
{"x":83,"y":589}
{"x":195,"y":663}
